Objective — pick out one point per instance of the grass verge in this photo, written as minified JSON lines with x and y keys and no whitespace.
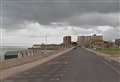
{"x":111,"y":51}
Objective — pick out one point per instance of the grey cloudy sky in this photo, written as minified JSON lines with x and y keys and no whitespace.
{"x":31,"y":20}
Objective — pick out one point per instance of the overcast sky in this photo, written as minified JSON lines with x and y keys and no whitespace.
{"x":26,"y":22}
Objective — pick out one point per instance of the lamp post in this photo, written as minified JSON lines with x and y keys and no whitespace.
{"x":45,"y":47}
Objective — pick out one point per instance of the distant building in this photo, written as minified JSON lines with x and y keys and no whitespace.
{"x":84,"y":40}
{"x":36,"y":46}
{"x":90,"y":41}
{"x":40,"y":46}
{"x":117,"y":42}
{"x":97,"y":41}
{"x":47,"y":46}
{"x":67,"y":41}
{"x":107,"y":44}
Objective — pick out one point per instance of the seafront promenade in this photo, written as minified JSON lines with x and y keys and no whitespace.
{"x":27,"y":58}
{"x":30,"y":64}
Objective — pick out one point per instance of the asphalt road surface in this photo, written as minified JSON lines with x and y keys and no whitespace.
{"x":77,"y":65}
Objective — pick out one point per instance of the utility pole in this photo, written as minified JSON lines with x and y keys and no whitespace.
{"x":1,"y":32}
{"x":45,"y":48}
{"x":46,"y":38}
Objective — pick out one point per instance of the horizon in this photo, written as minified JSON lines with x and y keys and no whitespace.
{"x":73,"y":39}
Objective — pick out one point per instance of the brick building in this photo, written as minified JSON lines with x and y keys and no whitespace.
{"x":97,"y":41}
{"x":67,"y":41}
{"x":84,"y":40}
{"x":90,"y":41}
{"x":117,"y":42}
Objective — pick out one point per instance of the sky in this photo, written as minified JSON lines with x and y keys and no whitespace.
{"x":28,"y":22}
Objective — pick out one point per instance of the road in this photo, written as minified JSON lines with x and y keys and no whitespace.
{"x":77,"y":65}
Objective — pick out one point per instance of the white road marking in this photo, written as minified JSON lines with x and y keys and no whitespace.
{"x":55,"y":79}
{"x":112,"y":67}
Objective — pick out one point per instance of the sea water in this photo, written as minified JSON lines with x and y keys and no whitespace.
{"x":2,"y":53}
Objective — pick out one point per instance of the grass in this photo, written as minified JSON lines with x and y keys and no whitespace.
{"x":111,"y":51}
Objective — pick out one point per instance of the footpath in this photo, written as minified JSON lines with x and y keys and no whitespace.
{"x":4,"y":64}
{"x":106,"y":56}
{"x":112,"y":62}
{"x":17,"y":69}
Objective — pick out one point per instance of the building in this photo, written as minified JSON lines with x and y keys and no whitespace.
{"x":47,"y":46}
{"x":117,"y":43}
{"x":97,"y":41}
{"x":67,"y":41}
{"x":107,"y":44}
{"x":36,"y":46}
{"x":84,"y":40}
{"x":90,"y":41}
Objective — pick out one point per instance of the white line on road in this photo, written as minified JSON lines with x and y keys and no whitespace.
{"x":112,"y":67}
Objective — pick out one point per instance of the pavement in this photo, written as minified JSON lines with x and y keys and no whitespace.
{"x":20,"y":68}
{"x":9,"y":63}
{"x":106,"y":56}
{"x":78,"y":65}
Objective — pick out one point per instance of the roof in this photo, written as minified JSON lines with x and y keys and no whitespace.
{"x":11,"y":53}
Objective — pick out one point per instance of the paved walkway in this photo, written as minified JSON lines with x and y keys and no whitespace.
{"x":12,"y":71}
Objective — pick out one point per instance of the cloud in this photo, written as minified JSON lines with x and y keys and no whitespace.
{"x":95,"y":19}
{"x":47,"y":11}
{"x":111,"y":34}
{"x":36,"y":33}
{"x":29,"y":21}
